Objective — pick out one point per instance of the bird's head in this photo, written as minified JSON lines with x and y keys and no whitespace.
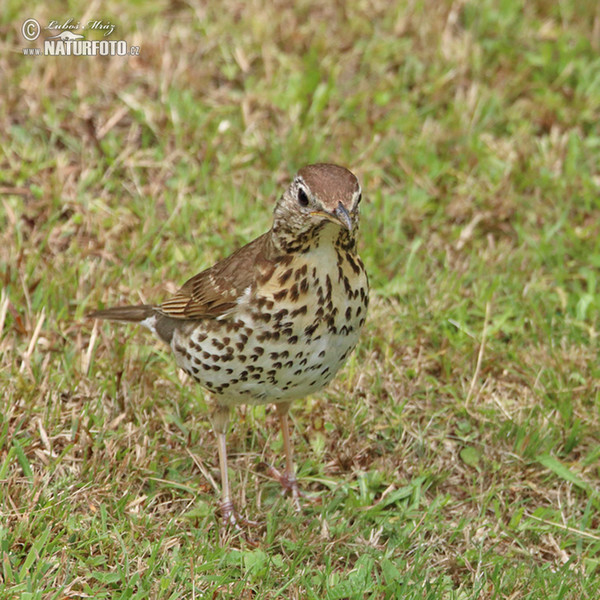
{"x":322,"y":197}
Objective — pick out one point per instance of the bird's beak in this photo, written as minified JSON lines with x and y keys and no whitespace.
{"x":340,"y":216}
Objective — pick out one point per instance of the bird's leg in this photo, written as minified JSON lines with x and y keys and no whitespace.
{"x":220,"y":421}
{"x":288,"y":477}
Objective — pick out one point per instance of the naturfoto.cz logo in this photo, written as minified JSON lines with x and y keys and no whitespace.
{"x":68,"y":43}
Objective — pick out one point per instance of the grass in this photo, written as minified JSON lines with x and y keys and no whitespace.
{"x":457,"y":455}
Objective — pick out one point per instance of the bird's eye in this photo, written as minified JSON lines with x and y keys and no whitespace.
{"x":302,"y":197}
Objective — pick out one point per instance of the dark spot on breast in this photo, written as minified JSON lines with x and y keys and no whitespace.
{"x":285,"y":276}
{"x":293,"y":339}
{"x":329,"y":286}
{"x":200,"y":337}
{"x":310,"y":329}
{"x":300,"y":272}
{"x":299,"y":311}
{"x":294,"y":293}
{"x":351,"y":262}
{"x":280,"y":314}
{"x":217,"y":344}
{"x":261,"y":302}
{"x":278,"y":296}
{"x":233,"y":325}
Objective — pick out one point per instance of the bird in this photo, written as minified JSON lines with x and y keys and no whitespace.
{"x":277,"y":319}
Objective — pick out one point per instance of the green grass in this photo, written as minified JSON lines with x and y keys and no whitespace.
{"x":457,"y":456}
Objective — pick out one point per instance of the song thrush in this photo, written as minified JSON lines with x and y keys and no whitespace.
{"x":277,"y":319}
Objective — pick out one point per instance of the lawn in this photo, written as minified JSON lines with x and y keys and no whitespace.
{"x":457,"y":455}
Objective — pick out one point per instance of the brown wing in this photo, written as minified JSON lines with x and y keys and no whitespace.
{"x":217,"y":289}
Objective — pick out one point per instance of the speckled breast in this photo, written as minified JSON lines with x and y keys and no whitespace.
{"x":286,"y":338}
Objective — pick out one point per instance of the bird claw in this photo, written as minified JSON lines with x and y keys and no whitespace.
{"x":288,"y":482}
{"x":290,"y":486}
{"x":231,"y":518}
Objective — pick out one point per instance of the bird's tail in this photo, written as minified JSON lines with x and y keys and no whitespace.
{"x":129,"y":314}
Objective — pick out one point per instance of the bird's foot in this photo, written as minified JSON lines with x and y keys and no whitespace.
{"x":290,"y":486}
{"x":231,"y":518}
